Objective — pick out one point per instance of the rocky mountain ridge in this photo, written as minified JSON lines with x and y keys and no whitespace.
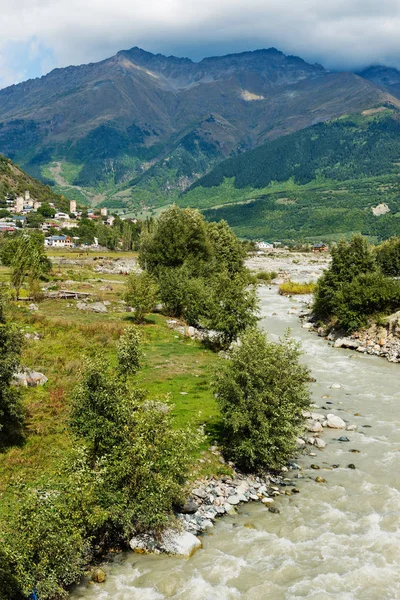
{"x":152,"y":124}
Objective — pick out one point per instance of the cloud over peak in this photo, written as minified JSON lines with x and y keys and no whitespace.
{"x":38,"y":35}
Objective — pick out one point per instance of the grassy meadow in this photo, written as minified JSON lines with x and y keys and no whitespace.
{"x":173,"y":366}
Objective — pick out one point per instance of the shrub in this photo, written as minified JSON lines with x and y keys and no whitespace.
{"x":129,"y":351}
{"x":141,"y":294}
{"x":367,"y":295}
{"x":11,"y":411}
{"x":293,"y":287}
{"x":267,"y":276}
{"x":262,"y":391}
{"x":388,"y":257}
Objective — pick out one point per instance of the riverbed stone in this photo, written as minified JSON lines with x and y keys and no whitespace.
{"x":319,"y":443}
{"x":98,"y":575}
{"x":233,"y":500}
{"x":199,"y":493}
{"x":190,"y":507}
{"x":314,"y":426}
{"x":335,"y":422}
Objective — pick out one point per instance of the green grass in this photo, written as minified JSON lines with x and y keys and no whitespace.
{"x":173,"y":365}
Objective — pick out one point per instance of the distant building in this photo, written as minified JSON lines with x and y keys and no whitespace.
{"x":72,"y":206}
{"x":110,"y":221}
{"x":19,"y":204}
{"x":27,"y":195}
{"x":61,"y":216}
{"x":320,"y":247}
{"x":264,"y":246}
{"x":36,"y":205}
{"x":7,"y":226}
{"x":58,"y":241}
{"x":103,"y":212}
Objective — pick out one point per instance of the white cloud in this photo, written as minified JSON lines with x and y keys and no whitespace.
{"x":338,"y":33}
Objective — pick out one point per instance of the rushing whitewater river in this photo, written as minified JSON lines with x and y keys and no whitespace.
{"x":339,"y":539}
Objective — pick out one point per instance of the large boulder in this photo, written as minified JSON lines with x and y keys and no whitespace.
{"x":335,"y":422}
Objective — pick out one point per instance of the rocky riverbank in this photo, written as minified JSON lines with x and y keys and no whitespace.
{"x":215,"y":497}
{"x":378,"y":340}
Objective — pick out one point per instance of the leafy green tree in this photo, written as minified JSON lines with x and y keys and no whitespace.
{"x":227,"y":250}
{"x":141,"y":294}
{"x":179,"y":234}
{"x":11,"y":411}
{"x":349,"y":259}
{"x":34,"y":220}
{"x":100,"y":409}
{"x":368,"y":294}
{"x":233,"y":306}
{"x":46,"y":210}
{"x":25,"y":255}
{"x":388,"y":257}
{"x":147,"y":475}
{"x":262,"y":391}
{"x":129,"y":352}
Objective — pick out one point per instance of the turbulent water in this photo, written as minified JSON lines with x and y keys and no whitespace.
{"x":339,"y":539}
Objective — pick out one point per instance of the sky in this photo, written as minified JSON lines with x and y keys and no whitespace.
{"x":40,"y":35}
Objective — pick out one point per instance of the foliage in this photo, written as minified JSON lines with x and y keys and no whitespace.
{"x":179,"y":235}
{"x":46,"y":210}
{"x":354,"y":289}
{"x":25,"y":254}
{"x":47,"y":540}
{"x":267,"y":276}
{"x":388,"y":257}
{"x":368,"y":294}
{"x":348,"y":261}
{"x":233,"y":307}
{"x":141,"y":294}
{"x":341,"y":149}
{"x":201,"y":273}
{"x":100,"y":409}
{"x":11,"y":411}
{"x":294,"y":287}
{"x":262,"y":391}
{"x":129,"y":353}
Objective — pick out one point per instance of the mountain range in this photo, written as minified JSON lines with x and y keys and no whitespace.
{"x":138,"y":129}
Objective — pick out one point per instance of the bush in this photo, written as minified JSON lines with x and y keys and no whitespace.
{"x":267,"y":276}
{"x":129,"y":351}
{"x":348,"y":261}
{"x":11,"y":411}
{"x":141,"y":294}
{"x":388,"y":257}
{"x":367,"y":295}
{"x":293,"y":287}
{"x":262,"y":391}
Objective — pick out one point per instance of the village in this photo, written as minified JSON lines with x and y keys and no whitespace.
{"x":20,"y":212}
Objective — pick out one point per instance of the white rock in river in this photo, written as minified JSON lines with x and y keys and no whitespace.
{"x":335,"y":422}
{"x":314,"y":426}
{"x":177,"y":543}
{"x":351,"y":428}
{"x":336,"y":386}
{"x":233,"y":499}
{"x":319,"y":443}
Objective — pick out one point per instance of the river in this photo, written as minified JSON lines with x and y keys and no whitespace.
{"x":339,"y":539}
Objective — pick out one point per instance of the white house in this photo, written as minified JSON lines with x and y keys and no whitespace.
{"x":264,"y":246}
{"x":61,"y":216}
{"x":58,"y":241}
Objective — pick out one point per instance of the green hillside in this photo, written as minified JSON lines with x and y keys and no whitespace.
{"x":14,"y":181}
{"x":319,"y":182}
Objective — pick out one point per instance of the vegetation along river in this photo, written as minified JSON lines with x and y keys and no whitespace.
{"x":339,"y":539}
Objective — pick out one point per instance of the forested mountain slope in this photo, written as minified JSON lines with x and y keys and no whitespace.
{"x":139,"y":128}
{"x":322,"y":181}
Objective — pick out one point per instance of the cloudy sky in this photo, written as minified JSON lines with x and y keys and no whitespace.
{"x":39,"y":35}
